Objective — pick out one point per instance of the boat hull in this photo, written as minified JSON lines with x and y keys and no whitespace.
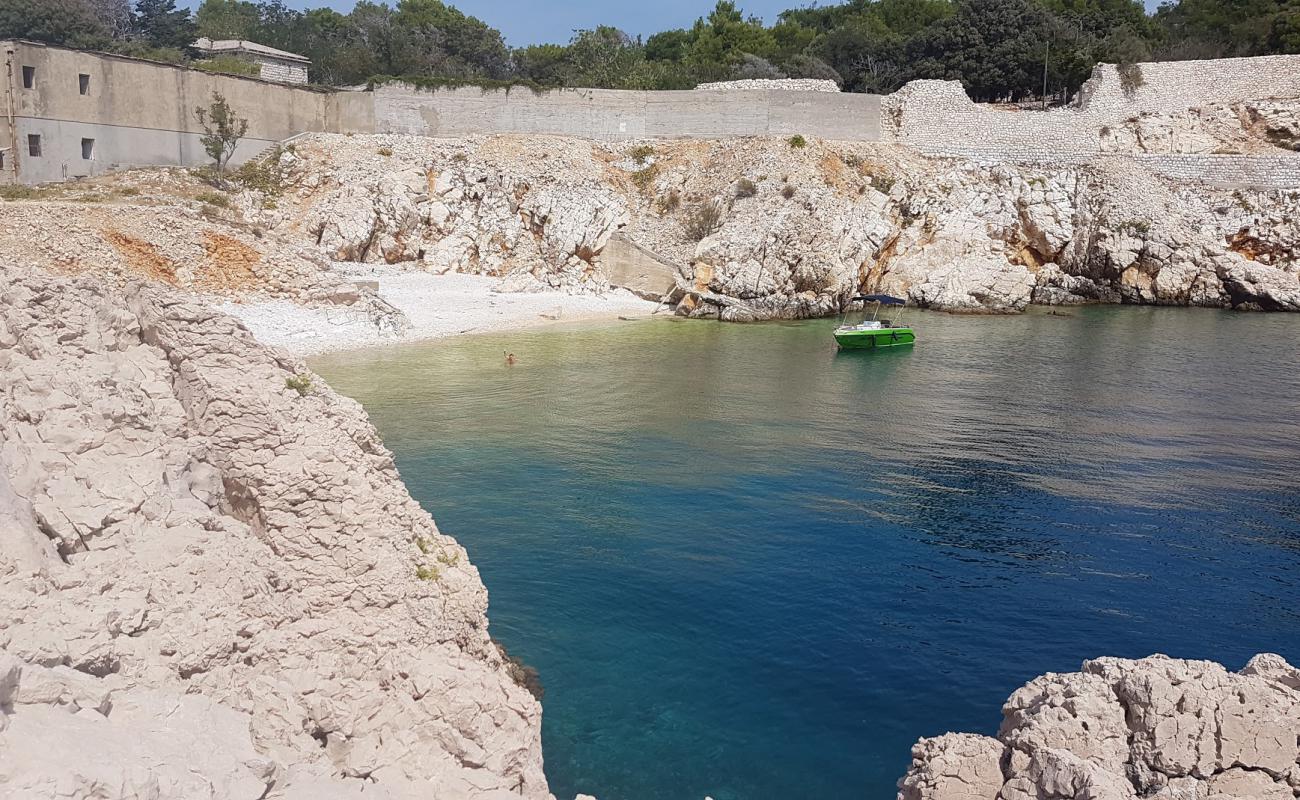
{"x":872,"y":340}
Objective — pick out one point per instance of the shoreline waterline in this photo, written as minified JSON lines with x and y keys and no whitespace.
{"x":436,"y":307}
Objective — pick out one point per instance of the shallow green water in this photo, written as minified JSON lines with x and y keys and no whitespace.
{"x":748,"y":566}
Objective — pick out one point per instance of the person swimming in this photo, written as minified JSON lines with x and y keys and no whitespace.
{"x":510,"y":359}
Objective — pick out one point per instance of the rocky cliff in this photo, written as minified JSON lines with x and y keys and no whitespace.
{"x":765,"y":228}
{"x":212,"y":580}
{"x":1155,"y":728}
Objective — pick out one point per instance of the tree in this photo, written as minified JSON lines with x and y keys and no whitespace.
{"x":72,"y":23}
{"x":451,"y":43}
{"x":996,"y":48}
{"x":227,"y":19}
{"x":604,"y":58}
{"x":161,"y":24}
{"x":721,"y":40}
{"x":545,"y":64}
{"x":222,"y":130}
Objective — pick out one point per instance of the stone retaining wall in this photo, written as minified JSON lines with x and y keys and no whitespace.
{"x":782,"y":84}
{"x":938,"y":118}
{"x":1228,"y":171}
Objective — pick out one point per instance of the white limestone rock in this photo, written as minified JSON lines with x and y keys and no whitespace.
{"x":1124,"y":729}
{"x":198,"y":541}
{"x":801,"y":230}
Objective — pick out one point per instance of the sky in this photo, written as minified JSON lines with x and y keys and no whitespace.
{"x":524,"y":23}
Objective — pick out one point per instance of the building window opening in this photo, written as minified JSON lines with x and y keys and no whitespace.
{"x":83,"y":83}
{"x":2,"y":159}
{"x":34,"y":145}
{"x":29,"y":77}
{"x":87,"y":149}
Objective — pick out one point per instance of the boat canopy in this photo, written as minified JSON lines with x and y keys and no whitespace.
{"x":883,"y":299}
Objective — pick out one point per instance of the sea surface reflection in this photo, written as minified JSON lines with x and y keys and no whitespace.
{"x":748,"y":566}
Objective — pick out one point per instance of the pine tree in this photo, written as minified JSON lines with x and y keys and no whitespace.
{"x":162,"y":24}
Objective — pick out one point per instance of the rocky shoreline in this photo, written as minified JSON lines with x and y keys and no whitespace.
{"x":1121,"y":729}
{"x":751,"y":229}
{"x":216,"y":585}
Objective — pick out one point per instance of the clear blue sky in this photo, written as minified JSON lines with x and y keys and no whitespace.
{"x":524,"y":22}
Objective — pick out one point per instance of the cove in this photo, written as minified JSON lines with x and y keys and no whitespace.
{"x":750,"y":567}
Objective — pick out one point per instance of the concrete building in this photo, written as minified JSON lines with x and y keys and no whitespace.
{"x":70,"y":113}
{"x":275,"y":65}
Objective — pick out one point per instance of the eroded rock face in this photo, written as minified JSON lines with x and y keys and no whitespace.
{"x":763,"y":230}
{"x":213,"y":581}
{"x":1124,"y":729}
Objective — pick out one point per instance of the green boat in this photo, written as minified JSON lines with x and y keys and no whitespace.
{"x":870,"y":334}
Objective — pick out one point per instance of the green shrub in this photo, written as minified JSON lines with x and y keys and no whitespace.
{"x":669,"y":202}
{"x":17,"y":192}
{"x":262,"y":174}
{"x":299,"y":383}
{"x":645,"y":178}
{"x":797,"y":141}
{"x":213,"y":199}
{"x":385,"y":151}
{"x":640,"y":154}
{"x":882,"y":183}
{"x":423,"y":544}
{"x":449,"y":560}
{"x":426,"y":573}
{"x":702,"y":219}
{"x":433,"y":84}
{"x":128,"y":191}
{"x":746,"y":188}
{"x":229,"y":65}
{"x":1139,"y":226}
{"x":787,"y":191}
{"x":1130,"y":78}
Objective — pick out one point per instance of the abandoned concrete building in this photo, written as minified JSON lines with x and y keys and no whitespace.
{"x":275,"y":65}
{"x":71,"y":113}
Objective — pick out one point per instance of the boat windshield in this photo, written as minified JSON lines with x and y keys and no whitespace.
{"x":867,"y":318}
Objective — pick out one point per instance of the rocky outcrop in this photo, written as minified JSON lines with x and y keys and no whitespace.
{"x":1125,"y":729}
{"x":762,"y":229}
{"x":213,"y":581}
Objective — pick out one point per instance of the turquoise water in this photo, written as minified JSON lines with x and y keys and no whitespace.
{"x":748,"y":566}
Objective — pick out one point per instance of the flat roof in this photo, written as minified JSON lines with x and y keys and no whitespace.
{"x":243,"y":45}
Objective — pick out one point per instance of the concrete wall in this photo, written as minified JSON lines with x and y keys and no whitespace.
{"x":142,"y":113}
{"x":613,"y":114}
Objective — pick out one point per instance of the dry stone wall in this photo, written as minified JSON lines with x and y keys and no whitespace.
{"x":782,"y":84}
{"x":1228,"y":171}
{"x":937,"y":118}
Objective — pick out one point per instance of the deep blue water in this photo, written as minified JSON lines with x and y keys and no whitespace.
{"x":747,"y":566}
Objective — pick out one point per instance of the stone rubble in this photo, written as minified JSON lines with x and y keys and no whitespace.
{"x":777,"y":84}
{"x":214,"y":582}
{"x":1122,"y":729}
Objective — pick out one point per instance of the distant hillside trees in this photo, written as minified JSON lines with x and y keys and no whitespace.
{"x":998,"y":49}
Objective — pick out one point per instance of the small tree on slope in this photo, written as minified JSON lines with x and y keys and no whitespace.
{"x":222,"y":131}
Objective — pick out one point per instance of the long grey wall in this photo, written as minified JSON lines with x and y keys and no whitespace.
{"x":614,"y":114}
